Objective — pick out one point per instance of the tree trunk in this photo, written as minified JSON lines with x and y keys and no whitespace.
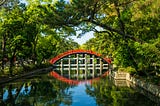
{"x":12,"y":59}
{"x":34,"y":56}
{"x":4,"y":57}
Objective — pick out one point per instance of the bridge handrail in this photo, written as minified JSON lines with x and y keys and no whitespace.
{"x":69,"y":52}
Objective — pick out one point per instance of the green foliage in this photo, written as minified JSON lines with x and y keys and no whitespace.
{"x":128,"y":69}
{"x":128,"y":31}
{"x":25,"y":36}
{"x":139,"y":20}
{"x":131,"y":70}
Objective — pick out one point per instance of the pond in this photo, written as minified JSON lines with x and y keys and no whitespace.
{"x":46,"y":90}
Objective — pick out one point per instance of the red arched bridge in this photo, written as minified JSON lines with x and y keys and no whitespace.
{"x":80,"y":64}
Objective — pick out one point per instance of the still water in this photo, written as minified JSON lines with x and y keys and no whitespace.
{"x":45,"y":90}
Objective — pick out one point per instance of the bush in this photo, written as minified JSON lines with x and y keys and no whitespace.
{"x":131,"y":70}
{"x":128,"y":69}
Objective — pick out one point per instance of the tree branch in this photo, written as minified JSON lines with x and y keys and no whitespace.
{"x":121,"y":23}
{"x":2,"y":2}
{"x":117,"y":31}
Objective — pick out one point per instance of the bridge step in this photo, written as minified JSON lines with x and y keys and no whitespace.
{"x":119,"y":75}
{"x":120,"y":82}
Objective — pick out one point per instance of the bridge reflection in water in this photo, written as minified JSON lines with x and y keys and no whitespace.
{"x":81,"y":66}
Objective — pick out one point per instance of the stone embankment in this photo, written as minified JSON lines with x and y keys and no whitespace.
{"x":154,"y":89}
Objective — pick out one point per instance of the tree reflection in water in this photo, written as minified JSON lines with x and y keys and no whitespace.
{"x":48,"y":91}
{"x":36,"y":92}
{"x":107,"y":94}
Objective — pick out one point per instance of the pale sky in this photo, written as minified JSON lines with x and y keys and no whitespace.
{"x":84,"y":38}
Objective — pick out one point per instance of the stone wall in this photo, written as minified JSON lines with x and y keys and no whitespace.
{"x":154,"y":89}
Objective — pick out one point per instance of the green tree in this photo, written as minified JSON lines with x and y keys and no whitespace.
{"x":124,"y":23}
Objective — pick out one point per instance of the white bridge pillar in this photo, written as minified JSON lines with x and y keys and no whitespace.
{"x":93,"y":64}
{"x":86,"y":66}
{"x":77,"y":62}
{"x":61,"y":67}
{"x":101,"y":66}
{"x":69,"y":66}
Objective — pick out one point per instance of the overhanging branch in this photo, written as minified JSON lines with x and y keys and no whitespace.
{"x":117,"y":31}
{"x":2,"y":2}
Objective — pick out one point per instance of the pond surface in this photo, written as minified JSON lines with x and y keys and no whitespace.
{"x":45,"y":90}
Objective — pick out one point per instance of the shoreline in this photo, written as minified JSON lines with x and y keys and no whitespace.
{"x":38,"y":71}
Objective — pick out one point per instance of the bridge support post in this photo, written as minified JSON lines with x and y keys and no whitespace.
{"x":61,"y":67}
{"x":86,"y":66}
{"x":69,"y":66}
{"x":93,"y":64}
{"x":101,"y":66}
{"x":77,"y":65}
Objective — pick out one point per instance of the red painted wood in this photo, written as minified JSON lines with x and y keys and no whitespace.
{"x":55,"y":59}
{"x":75,"y":82}
{"x":70,"y":52}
